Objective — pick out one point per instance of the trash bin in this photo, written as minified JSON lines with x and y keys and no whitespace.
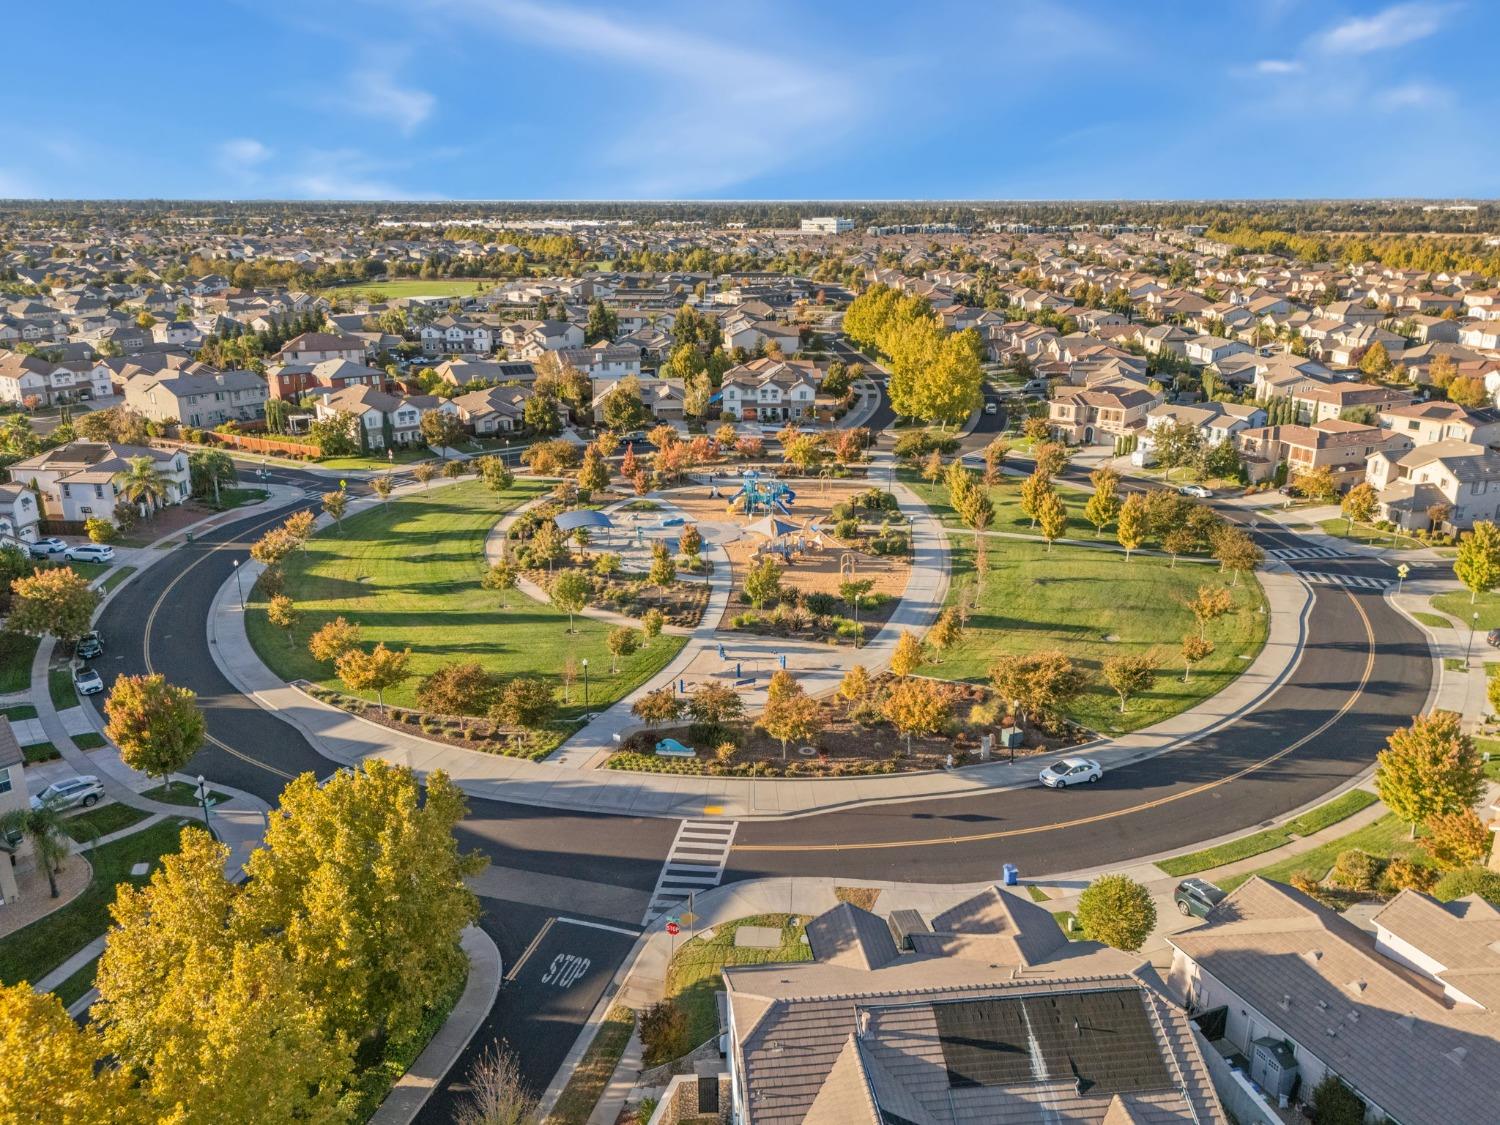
{"x":1010,"y":874}
{"x":189,"y":536}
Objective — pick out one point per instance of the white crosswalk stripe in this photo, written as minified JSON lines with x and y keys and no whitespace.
{"x":1355,"y":580}
{"x":695,"y":862}
{"x":1293,"y":554}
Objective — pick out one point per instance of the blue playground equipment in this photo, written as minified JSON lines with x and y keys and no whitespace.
{"x":768,"y":495}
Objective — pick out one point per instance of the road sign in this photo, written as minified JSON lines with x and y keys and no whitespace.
{"x":673,"y":928}
{"x":1403,"y":570}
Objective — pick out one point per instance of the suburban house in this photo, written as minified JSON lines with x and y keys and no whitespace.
{"x":24,"y":377}
{"x":986,"y":1014}
{"x":453,"y":335}
{"x":293,"y":380}
{"x":1341,"y":446}
{"x":1456,"y":474}
{"x":314,"y":347}
{"x":386,"y":421}
{"x":462,"y":372}
{"x":549,"y":336}
{"x":492,"y":410}
{"x":770,"y":390}
{"x":1100,"y":411}
{"x":662,"y":397}
{"x":604,"y":360}
{"x":1204,"y":350}
{"x":1214,"y":421}
{"x":19,"y":514}
{"x":77,"y":481}
{"x":1405,"y":1013}
{"x":201,"y":400}
{"x":14,"y":852}
{"x":741,"y":330}
{"x":1428,"y":422}
{"x":1330,"y":400}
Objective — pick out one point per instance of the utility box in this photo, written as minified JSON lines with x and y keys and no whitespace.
{"x":1010,"y":874}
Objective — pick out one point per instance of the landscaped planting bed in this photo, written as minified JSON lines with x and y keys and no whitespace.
{"x":456,"y":730}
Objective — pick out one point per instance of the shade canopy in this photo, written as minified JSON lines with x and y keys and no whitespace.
{"x":773,"y":528}
{"x":582,"y":517}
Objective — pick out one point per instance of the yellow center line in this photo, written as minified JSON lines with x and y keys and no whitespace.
{"x":151,"y":622}
{"x":1098,"y":817}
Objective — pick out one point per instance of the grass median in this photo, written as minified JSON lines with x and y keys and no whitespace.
{"x":1340,"y":808}
{"x":409,"y":576}
{"x":586,"y":1084}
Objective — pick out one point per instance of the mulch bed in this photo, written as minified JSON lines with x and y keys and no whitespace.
{"x":456,"y":730}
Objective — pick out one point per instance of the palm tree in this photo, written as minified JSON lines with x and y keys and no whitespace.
{"x":44,"y":828}
{"x":143,"y":484}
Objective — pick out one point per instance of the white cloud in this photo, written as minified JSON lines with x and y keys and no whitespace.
{"x":721,"y":113}
{"x":1391,"y":27}
{"x":242,"y":154}
{"x":343,"y":174}
{"x":1278,"y":66}
{"x":1414,"y":95}
{"x":373,"y":92}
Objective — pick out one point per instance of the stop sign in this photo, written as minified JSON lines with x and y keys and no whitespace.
{"x":673,"y":928}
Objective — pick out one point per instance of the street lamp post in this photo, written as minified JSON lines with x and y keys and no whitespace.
{"x":203,"y":804}
{"x":1468,"y":648}
{"x":585,"y":663}
{"x":238,"y":585}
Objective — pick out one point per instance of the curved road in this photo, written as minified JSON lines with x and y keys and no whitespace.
{"x":1366,"y":670}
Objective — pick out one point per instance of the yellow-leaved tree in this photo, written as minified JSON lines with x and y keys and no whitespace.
{"x":50,"y":1066}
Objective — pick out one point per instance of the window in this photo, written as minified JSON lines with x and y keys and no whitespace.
{"x":5,"y":780}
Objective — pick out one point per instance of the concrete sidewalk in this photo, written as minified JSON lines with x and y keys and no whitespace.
{"x":348,"y":740}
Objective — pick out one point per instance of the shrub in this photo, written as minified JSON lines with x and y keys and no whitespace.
{"x":1404,"y":875}
{"x":1302,"y":881}
{"x":1356,"y":870}
{"x":846,"y":528}
{"x":1466,"y":881}
{"x":1333,"y":1103}
{"x":457,"y":689}
{"x":100,"y":530}
{"x":1118,"y":911}
{"x":821,"y":603}
{"x":662,"y":1027}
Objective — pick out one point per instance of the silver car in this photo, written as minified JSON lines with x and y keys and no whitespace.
{"x":70,"y":793}
{"x":1071,"y":771}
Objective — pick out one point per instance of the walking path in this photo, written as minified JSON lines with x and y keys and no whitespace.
{"x":566,"y":782}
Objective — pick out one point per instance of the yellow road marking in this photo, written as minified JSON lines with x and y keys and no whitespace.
{"x":151,"y":622}
{"x":713,"y":810}
{"x":1098,"y":817}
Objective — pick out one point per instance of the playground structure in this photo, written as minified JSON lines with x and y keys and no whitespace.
{"x":759,"y":495}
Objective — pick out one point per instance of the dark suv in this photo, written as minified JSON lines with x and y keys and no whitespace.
{"x":1196,"y":897}
{"x":90,"y":645}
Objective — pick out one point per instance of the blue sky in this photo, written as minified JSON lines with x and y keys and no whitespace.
{"x":752,"y":99}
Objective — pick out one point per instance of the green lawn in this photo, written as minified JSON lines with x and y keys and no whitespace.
{"x":89,"y":741}
{"x":410,"y":577}
{"x":415,"y":287}
{"x":375,"y":464}
{"x":1075,"y":599}
{"x":696,"y":971}
{"x":35,"y":950}
{"x":19,"y":711}
{"x":1458,"y":605}
{"x":237,"y":498}
{"x":88,"y":570}
{"x":118,"y":575}
{"x":1386,"y":837}
{"x":181,"y":793}
{"x":1365,"y":533}
{"x":16,"y":654}
{"x":592,"y":1074}
{"x":1340,"y":808}
{"x":60,"y":687}
{"x":101,"y":820}
{"x":40,"y":752}
{"x":1433,"y":620}
{"x":1006,"y":496}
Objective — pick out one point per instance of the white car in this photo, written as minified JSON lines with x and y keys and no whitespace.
{"x":1071,"y":771}
{"x":46,"y":548}
{"x":69,"y":793}
{"x":992,"y":407}
{"x":1195,"y":490}
{"x":87,"y":681}
{"x":90,"y":552}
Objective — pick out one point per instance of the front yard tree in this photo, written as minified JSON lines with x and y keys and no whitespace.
{"x":908,"y":654}
{"x":1131,"y":530}
{"x":142,"y":484}
{"x":1360,"y":504}
{"x":790,"y":714}
{"x":1457,"y":839}
{"x":623,"y":409}
{"x":43,"y":827}
{"x":1428,"y":769}
{"x":376,"y":670}
{"x":570,"y":593}
{"x":1478,"y":562}
{"x":282,"y":612}
{"x":336,"y":504}
{"x":1176,"y":443}
{"x":52,"y":1060}
{"x":1130,"y":675}
{"x":1195,"y":648}
{"x":916,"y":707}
{"x":333,"y":639}
{"x":1118,"y":911}
{"x":1038,"y":683}
{"x":157,"y":726}
{"x":368,"y":866}
{"x":208,"y":469}
{"x":525,"y":702}
{"x":442,"y":430}
{"x":623,"y":641}
{"x":53,"y":602}
{"x":1317,"y":484}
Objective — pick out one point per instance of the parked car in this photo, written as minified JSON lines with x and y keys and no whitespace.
{"x":90,"y":645}
{"x":46,"y":548}
{"x":87,"y":681}
{"x":1196,"y":897}
{"x":1492,"y":638}
{"x":1196,"y":490}
{"x":992,"y":407}
{"x":1071,"y":771}
{"x":69,"y":793}
{"x":90,"y":552}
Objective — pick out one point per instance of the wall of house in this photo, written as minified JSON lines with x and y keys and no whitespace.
{"x":1238,"y":1096}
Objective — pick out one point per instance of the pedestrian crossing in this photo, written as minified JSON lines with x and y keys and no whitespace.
{"x":695,"y":862}
{"x":1355,"y":580}
{"x":1293,"y":554}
